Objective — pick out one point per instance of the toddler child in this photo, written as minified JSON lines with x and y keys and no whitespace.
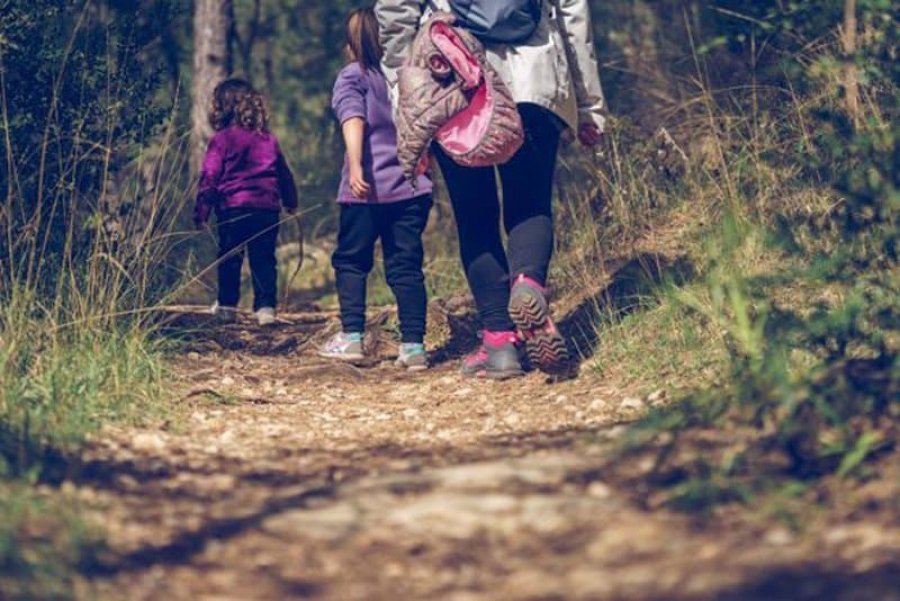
{"x":246,"y":181}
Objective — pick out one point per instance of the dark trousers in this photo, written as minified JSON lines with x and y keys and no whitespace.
{"x":257,"y":231}
{"x":527,"y":182}
{"x":399,"y":226}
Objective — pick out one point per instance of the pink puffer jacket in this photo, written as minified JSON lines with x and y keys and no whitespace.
{"x":448,"y":92}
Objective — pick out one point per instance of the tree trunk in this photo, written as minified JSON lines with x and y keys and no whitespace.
{"x":213,"y":34}
{"x":851,"y":74}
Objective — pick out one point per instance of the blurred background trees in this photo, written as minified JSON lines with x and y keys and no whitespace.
{"x":100,"y":95}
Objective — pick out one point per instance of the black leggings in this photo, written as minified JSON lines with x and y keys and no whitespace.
{"x":257,"y":231}
{"x":527,"y":183}
{"x":400,"y":226}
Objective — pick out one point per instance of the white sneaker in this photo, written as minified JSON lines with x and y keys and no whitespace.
{"x":224,"y":314}
{"x":266,"y":316}
{"x":344,"y":347}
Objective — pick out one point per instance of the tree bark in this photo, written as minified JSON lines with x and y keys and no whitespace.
{"x":213,"y":62}
{"x":851,"y":73}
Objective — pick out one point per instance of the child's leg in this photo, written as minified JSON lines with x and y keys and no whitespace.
{"x":263,"y":264}
{"x":401,"y":226}
{"x":352,"y":261}
{"x":230,"y":225}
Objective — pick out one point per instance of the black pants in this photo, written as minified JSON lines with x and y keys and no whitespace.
{"x":257,"y":230}
{"x":527,"y":182}
{"x":400,"y":226}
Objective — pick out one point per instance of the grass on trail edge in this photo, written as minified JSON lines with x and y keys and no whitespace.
{"x":57,"y":387}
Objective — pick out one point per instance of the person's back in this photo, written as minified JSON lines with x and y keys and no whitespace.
{"x":363,"y":93}
{"x":251,"y":170}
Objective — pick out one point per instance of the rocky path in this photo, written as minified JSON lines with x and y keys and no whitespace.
{"x":285,"y":476}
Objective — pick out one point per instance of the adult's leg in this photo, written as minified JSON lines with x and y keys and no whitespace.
{"x":527,"y":182}
{"x":352,"y":261}
{"x":473,"y":194}
{"x":400,"y":226}
{"x":232,"y":226}
{"x":263,"y":263}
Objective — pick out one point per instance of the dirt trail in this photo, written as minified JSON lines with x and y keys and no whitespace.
{"x":293,"y":477}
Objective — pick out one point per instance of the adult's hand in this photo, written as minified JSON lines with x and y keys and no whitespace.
{"x":589,"y":135}
{"x":358,"y":184}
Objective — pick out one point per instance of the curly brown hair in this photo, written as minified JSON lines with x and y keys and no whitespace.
{"x":236,"y":102}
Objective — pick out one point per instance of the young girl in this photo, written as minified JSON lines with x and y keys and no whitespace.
{"x":247,"y":181}
{"x":376,"y":202}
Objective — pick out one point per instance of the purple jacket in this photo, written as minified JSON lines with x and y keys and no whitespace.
{"x":359,"y":93}
{"x":244,"y":169}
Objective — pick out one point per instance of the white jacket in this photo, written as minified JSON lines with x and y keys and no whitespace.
{"x":557,"y":68}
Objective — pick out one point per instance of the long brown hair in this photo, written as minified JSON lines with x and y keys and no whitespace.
{"x":235,"y":102}
{"x":362,"y":38}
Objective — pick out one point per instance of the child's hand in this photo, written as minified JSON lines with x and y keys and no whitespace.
{"x":358,"y":184}
{"x":589,"y":135}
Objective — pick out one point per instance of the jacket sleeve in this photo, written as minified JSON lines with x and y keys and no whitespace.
{"x":208,"y":194}
{"x":575,"y":21}
{"x":398,"y":22}
{"x":348,"y":99}
{"x":287,"y":187}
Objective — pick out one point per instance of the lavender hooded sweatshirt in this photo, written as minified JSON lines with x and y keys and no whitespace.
{"x":364,"y":93}
{"x":244,"y":169}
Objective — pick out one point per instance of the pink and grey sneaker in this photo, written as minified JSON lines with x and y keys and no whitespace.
{"x":344,"y":346}
{"x":530,"y":311}
{"x":497,"y":358}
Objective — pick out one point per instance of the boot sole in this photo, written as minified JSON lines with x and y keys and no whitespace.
{"x":346,"y":358}
{"x":493,"y":375}
{"x":544,"y":344}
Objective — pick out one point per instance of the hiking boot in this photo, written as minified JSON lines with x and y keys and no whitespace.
{"x":224,"y":314}
{"x":496,"y":359}
{"x":344,"y":347}
{"x":412,"y":357}
{"x":530,"y":311}
{"x":265,"y":316}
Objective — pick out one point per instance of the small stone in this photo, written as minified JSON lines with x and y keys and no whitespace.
{"x":512,"y":419}
{"x":193,"y":356}
{"x":599,"y":490}
{"x":410,"y":413}
{"x":562,"y":398}
{"x":631,"y":404}
{"x":778,"y":537}
{"x":598,"y":405}
{"x":147,"y":441}
{"x":646,"y":464}
{"x":657,"y":398}
{"x":227,"y":381}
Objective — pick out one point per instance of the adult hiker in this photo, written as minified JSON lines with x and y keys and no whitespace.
{"x":543,"y":51}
